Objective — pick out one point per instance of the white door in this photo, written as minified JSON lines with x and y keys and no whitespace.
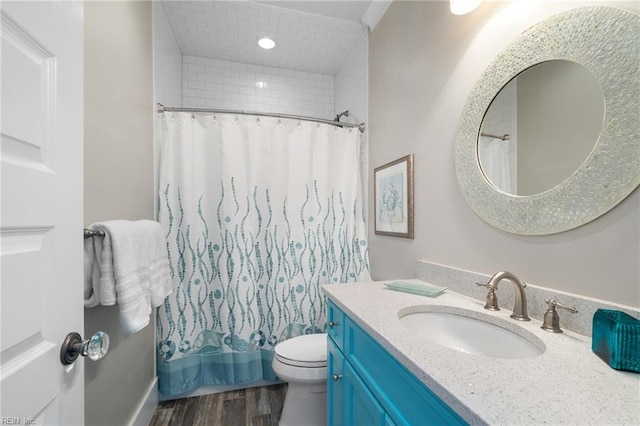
{"x":41,"y":213}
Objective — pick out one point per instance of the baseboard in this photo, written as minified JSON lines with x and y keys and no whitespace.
{"x":148,"y":405}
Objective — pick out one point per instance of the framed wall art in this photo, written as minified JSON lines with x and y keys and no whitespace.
{"x":393,"y":198}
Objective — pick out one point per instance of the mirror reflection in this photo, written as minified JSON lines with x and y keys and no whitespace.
{"x":540,"y":127}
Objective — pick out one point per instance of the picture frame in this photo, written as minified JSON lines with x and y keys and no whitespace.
{"x":393,"y":198}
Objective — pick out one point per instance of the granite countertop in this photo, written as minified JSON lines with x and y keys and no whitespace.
{"x":567,"y":384}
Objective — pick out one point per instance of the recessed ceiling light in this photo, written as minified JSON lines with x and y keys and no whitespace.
{"x":462,"y":7}
{"x":266,"y":43}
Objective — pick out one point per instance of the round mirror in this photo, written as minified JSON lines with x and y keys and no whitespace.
{"x":540,"y":127}
{"x":597,"y":174}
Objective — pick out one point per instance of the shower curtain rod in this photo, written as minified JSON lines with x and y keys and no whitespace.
{"x":504,"y":137}
{"x":161,"y":108}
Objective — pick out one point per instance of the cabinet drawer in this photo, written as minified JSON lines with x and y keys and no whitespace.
{"x":406,"y":399}
{"x":335,"y":324}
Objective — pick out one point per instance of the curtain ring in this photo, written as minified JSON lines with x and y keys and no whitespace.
{"x":193,"y":117}
{"x":258,"y":121}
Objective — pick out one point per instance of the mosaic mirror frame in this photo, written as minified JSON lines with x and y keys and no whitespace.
{"x":605,"y":41}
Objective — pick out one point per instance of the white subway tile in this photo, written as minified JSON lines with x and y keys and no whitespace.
{"x":204,"y":61}
{"x":224,"y":79}
{"x":239,"y":66}
{"x":190,"y":93}
{"x":215,"y":87}
{"x":239,"y":97}
{"x":205,"y":77}
{"x":194,"y":102}
{"x":195,"y":68}
{"x":194,"y":84}
{"x":232,"y":85}
{"x":247,"y":90}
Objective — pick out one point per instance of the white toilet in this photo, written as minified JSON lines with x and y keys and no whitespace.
{"x":302,"y":362}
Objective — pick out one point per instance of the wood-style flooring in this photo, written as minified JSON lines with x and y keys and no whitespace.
{"x":259,"y":406}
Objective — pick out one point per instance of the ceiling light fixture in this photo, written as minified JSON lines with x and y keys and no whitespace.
{"x":461,"y":7}
{"x":266,"y":43}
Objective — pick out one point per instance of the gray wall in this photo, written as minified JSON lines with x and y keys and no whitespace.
{"x":423,"y":61}
{"x":118,"y":185}
{"x":560,"y":114}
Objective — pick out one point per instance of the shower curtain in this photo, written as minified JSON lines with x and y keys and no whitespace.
{"x":497,"y":163}
{"x":259,"y":212}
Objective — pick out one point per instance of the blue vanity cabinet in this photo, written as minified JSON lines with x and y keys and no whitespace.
{"x":351,"y":402}
{"x":366,"y":385}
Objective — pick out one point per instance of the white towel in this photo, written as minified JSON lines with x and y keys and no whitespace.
{"x":91,"y":275}
{"x":134,"y":269}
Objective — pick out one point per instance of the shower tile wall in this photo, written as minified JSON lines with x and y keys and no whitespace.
{"x":167,"y":61}
{"x":214,"y":83}
{"x":351,"y":82}
{"x":351,"y":88}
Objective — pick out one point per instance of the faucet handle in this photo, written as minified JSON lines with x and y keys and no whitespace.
{"x":556,"y":304}
{"x":492,"y":298}
{"x":552,"y":319}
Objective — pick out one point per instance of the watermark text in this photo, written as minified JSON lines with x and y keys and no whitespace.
{"x":17,"y":421}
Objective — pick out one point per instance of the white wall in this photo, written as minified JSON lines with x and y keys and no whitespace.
{"x":214,"y":83}
{"x":167,"y":61}
{"x":423,"y":62}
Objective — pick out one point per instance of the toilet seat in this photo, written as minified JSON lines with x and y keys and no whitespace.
{"x":308,"y":351}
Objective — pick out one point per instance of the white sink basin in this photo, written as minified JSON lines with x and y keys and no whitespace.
{"x":473,"y":333}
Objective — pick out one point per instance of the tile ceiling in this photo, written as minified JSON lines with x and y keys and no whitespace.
{"x":230,"y":30}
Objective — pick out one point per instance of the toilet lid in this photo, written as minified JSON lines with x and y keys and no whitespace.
{"x":309,"y":350}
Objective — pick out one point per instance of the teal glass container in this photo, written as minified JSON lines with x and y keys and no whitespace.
{"x":616,"y":339}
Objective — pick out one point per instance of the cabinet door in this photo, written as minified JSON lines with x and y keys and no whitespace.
{"x":403,"y":396}
{"x":335,"y":361}
{"x":361,"y":407}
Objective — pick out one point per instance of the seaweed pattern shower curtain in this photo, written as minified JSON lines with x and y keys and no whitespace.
{"x":259,"y":213}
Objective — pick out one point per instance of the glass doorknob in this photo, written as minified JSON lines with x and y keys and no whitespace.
{"x":95,"y":347}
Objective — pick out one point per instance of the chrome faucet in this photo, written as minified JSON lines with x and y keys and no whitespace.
{"x":520,"y":306}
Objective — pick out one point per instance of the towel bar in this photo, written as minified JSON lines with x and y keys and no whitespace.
{"x":88,"y":233}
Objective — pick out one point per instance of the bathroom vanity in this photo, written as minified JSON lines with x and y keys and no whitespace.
{"x":369,"y":386}
{"x":383,"y":372}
